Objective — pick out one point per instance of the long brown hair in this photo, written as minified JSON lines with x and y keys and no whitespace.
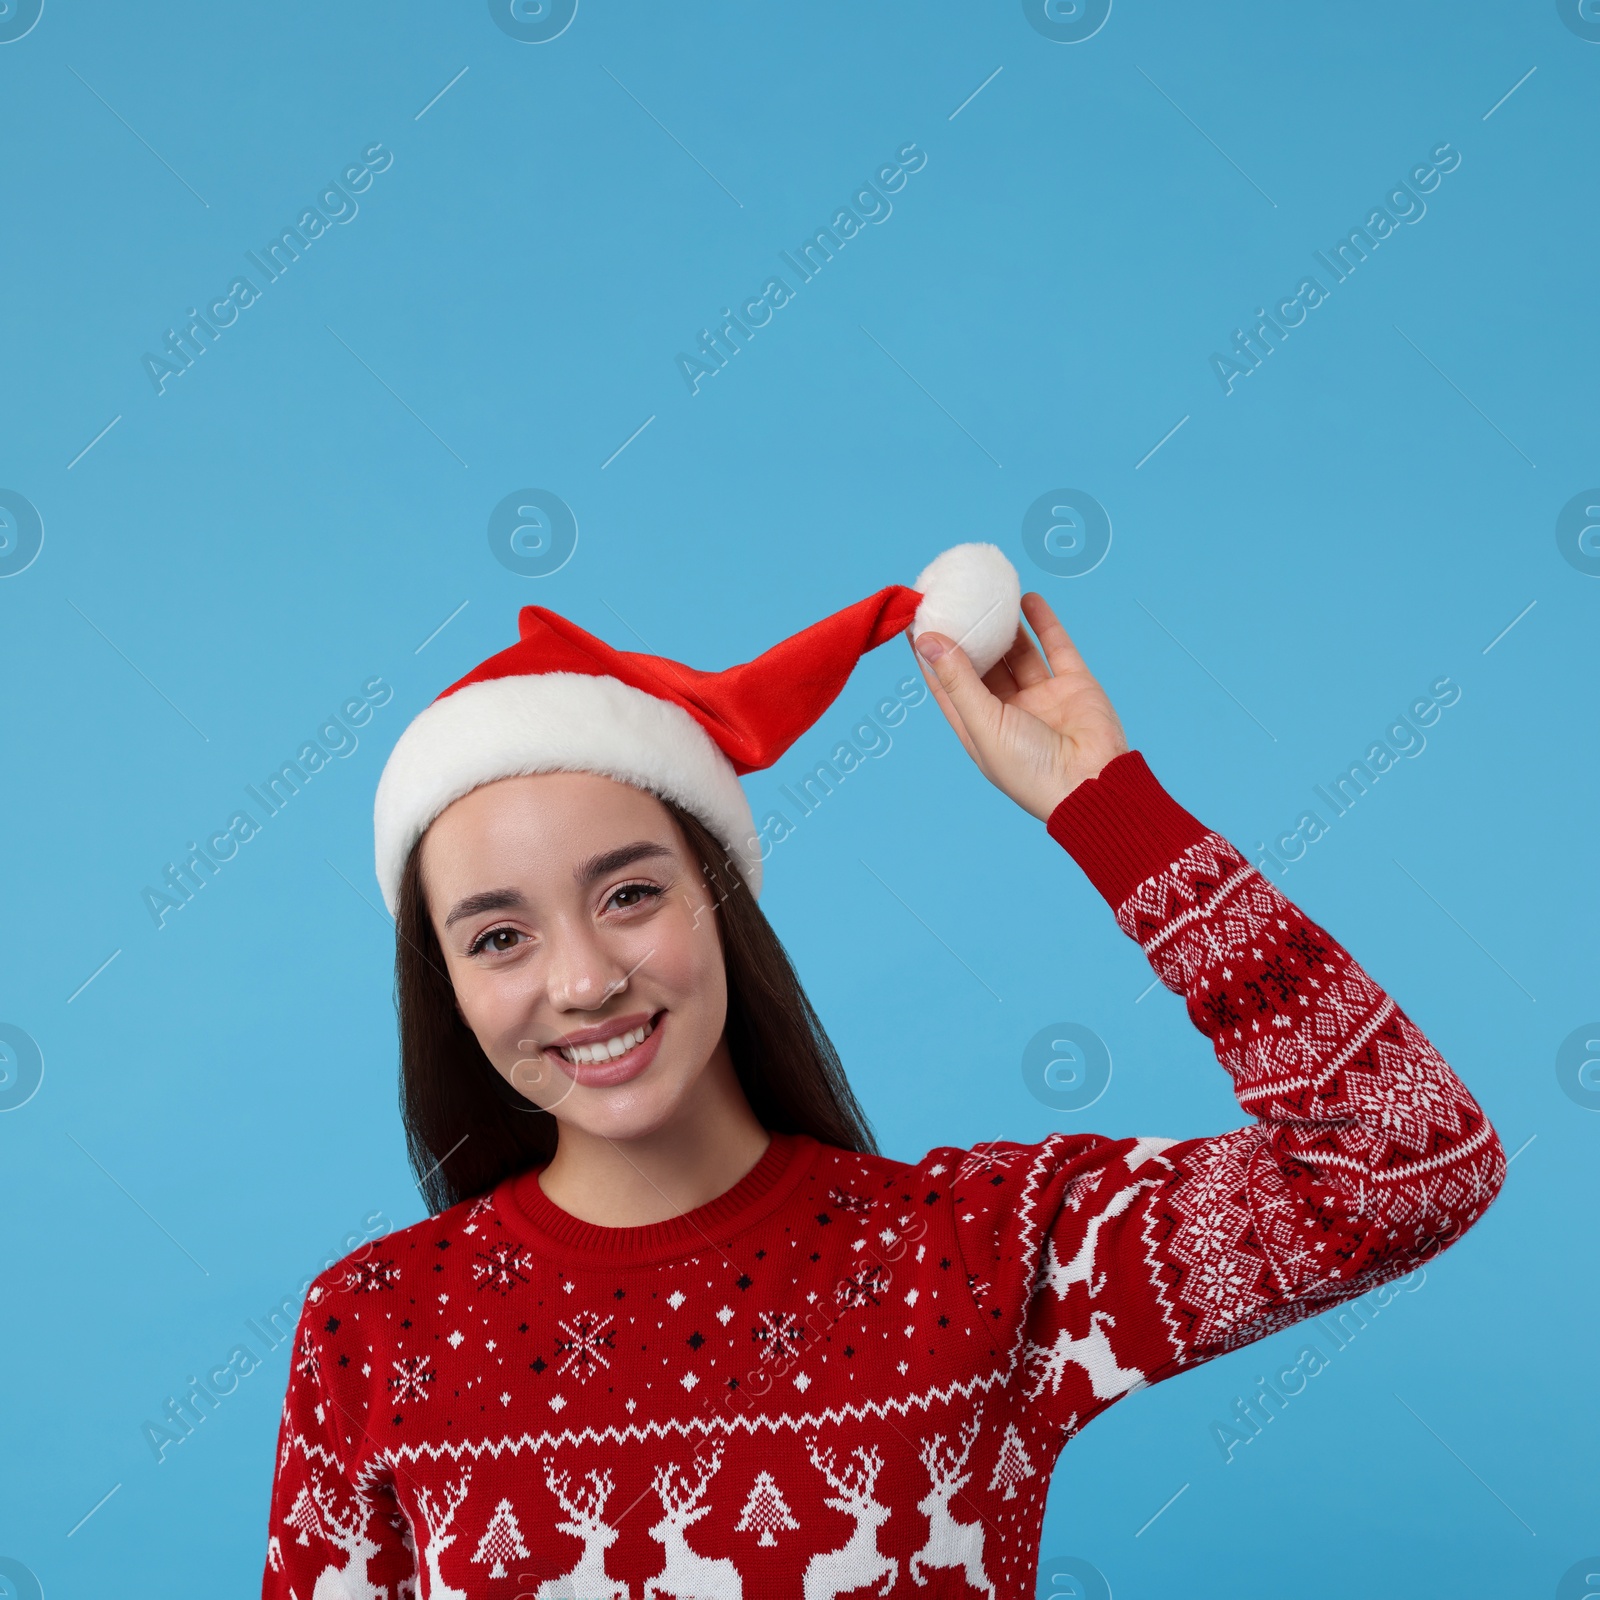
{"x":467,"y":1128}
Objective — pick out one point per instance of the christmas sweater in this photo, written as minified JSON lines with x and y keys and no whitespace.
{"x":849,"y":1371}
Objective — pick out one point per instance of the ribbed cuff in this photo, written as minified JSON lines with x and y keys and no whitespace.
{"x":1123,"y":827}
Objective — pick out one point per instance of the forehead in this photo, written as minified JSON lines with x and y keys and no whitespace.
{"x":525,"y":829}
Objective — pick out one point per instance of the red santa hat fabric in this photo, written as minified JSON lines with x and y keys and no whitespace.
{"x":561,"y":700}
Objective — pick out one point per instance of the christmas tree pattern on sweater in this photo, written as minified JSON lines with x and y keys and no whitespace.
{"x":851,"y":1373}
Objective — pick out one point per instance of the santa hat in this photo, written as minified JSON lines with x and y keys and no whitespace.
{"x":561,"y":700}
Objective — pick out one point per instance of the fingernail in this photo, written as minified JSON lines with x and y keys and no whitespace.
{"x":930,"y":648}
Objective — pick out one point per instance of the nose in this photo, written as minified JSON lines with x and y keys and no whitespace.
{"x":583,"y":974}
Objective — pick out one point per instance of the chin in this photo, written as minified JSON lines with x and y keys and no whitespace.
{"x":623,"y":1116}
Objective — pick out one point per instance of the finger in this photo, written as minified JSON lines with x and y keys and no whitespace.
{"x":1059,"y":649}
{"x":951,"y":715}
{"x":1023,"y":658}
{"x":977,"y":708}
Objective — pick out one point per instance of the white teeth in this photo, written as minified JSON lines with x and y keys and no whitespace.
{"x":607,"y":1049}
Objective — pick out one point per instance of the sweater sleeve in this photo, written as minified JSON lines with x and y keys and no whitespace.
{"x":1115,"y":1263}
{"x":323,"y":1520}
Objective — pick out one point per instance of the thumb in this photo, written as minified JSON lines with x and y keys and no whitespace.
{"x":966,"y":700}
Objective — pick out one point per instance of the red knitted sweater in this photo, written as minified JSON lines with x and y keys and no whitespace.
{"x":851,"y":1371}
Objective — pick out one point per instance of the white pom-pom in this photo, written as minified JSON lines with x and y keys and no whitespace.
{"x":971,"y":594}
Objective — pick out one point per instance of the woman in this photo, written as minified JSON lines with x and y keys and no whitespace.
{"x":676,"y":1328}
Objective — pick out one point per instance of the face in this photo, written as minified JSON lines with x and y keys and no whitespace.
{"x":581,"y":938}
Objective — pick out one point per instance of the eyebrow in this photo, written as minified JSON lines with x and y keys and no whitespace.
{"x":583,"y":874}
{"x":485,"y":900}
{"x":614,"y":860}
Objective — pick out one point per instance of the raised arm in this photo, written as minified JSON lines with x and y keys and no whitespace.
{"x":1367,"y":1154}
{"x":1109,"y":1264}
{"x":1121,"y":1261}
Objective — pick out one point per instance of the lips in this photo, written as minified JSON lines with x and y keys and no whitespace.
{"x":586,"y":1054}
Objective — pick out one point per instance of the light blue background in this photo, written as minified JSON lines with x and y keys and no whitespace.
{"x":237,"y":555}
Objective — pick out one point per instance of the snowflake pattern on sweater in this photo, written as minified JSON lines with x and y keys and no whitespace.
{"x":850,"y":1371}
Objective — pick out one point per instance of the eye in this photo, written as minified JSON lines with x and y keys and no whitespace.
{"x":495,"y":940}
{"x":634,"y":894}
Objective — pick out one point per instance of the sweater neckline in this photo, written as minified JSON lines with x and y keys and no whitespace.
{"x":536,"y":1219}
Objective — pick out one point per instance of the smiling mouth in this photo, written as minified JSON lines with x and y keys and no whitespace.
{"x":607,"y":1049}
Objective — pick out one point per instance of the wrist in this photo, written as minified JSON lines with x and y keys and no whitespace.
{"x":1082,"y":772}
{"x":1122,"y":827}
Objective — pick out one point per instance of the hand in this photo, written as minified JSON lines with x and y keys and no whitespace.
{"x":1035,"y":730}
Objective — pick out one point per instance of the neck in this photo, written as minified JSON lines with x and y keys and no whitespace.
{"x":709,"y":1144}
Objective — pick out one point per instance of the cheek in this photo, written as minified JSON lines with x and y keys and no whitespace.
{"x":492,"y":1003}
{"x":685,"y":965}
